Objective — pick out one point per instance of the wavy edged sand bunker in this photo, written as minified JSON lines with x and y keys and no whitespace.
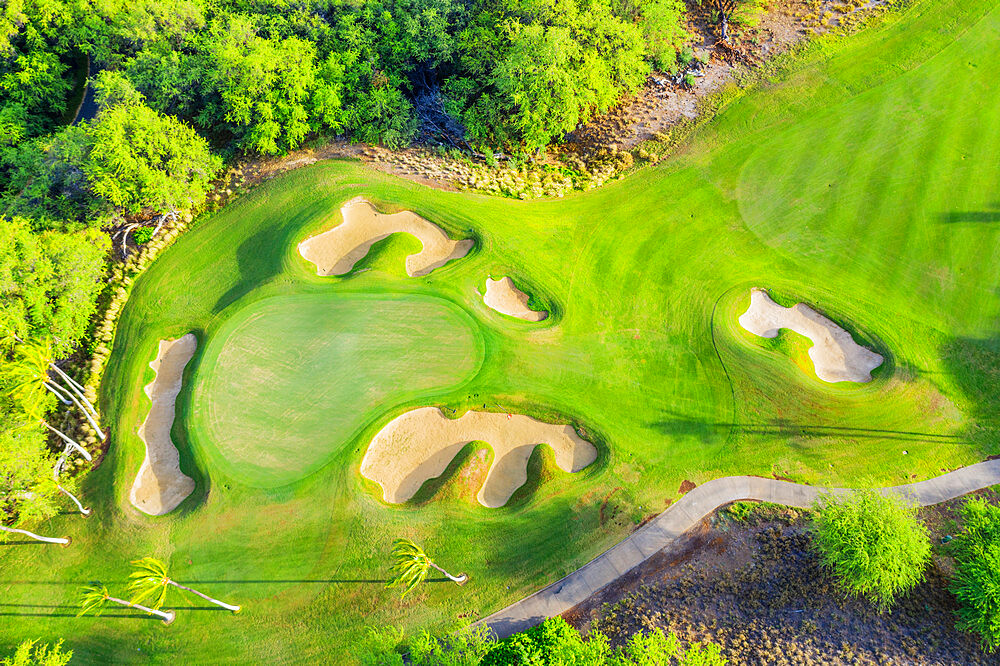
{"x":502,"y":296}
{"x":160,"y":485}
{"x":835,"y":354}
{"x":336,"y":251}
{"x":419,"y":445}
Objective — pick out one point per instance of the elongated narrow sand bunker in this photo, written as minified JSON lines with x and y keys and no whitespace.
{"x":835,"y":354}
{"x":419,"y":445}
{"x":336,"y":251}
{"x":160,"y":485}
{"x":505,"y":298}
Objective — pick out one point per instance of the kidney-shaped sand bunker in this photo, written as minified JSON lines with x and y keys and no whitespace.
{"x":287,"y":381}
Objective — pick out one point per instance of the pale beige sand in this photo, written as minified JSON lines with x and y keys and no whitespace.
{"x":419,"y":445}
{"x":160,"y":485}
{"x":835,"y":354}
{"x":336,"y":251}
{"x":505,"y":298}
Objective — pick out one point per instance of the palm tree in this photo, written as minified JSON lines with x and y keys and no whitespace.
{"x":56,"y":471}
{"x":31,"y":374}
{"x":96,"y":597}
{"x":411,"y":565}
{"x":150,"y":581}
{"x":64,"y":541}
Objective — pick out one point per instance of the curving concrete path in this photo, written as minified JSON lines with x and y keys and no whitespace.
{"x":690,"y":510}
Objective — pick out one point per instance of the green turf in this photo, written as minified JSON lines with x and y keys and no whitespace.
{"x":289,"y":380}
{"x":864,"y":182}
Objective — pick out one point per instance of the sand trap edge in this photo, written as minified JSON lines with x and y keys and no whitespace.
{"x":160,"y":475}
{"x":502,"y":296}
{"x":836,"y":356}
{"x":419,"y":445}
{"x":337,"y":250}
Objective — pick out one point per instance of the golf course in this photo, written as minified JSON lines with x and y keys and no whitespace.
{"x":861,"y":179}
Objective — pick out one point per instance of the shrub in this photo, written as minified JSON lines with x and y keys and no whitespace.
{"x":142,"y":235}
{"x":874,"y":544}
{"x":977,"y":572}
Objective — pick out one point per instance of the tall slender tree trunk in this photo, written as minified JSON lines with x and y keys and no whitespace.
{"x":64,"y":541}
{"x":168,"y":616}
{"x":235,"y":609}
{"x":725,"y":26}
{"x":75,"y":388}
{"x":460,"y":579}
{"x":71,"y":442}
{"x":56,"y":471}
{"x":90,"y":419}
{"x":52,"y":388}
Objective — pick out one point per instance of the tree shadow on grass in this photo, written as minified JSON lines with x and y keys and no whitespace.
{"x":975,"y":369}
{"x":681,"y":425}
{"x":970,"y":217}
{"x":258,"y":260}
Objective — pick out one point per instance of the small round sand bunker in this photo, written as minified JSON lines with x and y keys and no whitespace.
{"x":419,"y":445}
{"x":502,"y":296}
{"x":835,"y":354}
{"x":160,"y":485}
{"x":336,"y":251}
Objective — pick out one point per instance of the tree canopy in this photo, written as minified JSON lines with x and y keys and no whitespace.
{"x":873,"y":544}
{"x":977,"y":572}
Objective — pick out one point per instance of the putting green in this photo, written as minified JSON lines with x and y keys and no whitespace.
{"x":290,"y":379}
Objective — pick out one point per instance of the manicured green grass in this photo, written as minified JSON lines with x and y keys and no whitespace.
{"x":290,"y":379}
{"x":864,"y":182}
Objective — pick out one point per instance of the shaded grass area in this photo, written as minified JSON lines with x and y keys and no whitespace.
{"x":833,"y":185}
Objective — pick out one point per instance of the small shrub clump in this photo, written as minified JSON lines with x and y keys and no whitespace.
{"x":874,"y":544}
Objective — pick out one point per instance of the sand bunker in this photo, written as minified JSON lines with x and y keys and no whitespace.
{"x":837,"y":357}
{"x":505,"y":298}
{"x":419,"y":445}
{"x":336,"y":251}
{"x":160,"y":485}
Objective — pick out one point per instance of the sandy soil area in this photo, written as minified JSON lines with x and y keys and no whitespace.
{"x":160,"y":485}
{"x":336,"y":251}
{"x":837,"y":357}
{"x":505,"y":298}
{"x":419,"y":445}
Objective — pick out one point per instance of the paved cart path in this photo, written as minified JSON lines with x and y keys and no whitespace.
{"x":687,"y":512}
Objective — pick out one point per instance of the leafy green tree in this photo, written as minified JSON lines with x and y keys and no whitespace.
{"x":873,"y":544}
{"x":977,"y":572}
{"x":141,"y":160}
{"x":35,"y":653}
{"x":410,"y":566}
{"x":555,"y":68}
{"x":553,"y":642}
{"x":151,"y":582}
{"x":733,"y":11}
{"x":49,"y":282}
{"x":268,"y":93}
{"x":663,"y":28}
{"x":95,"y":598}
